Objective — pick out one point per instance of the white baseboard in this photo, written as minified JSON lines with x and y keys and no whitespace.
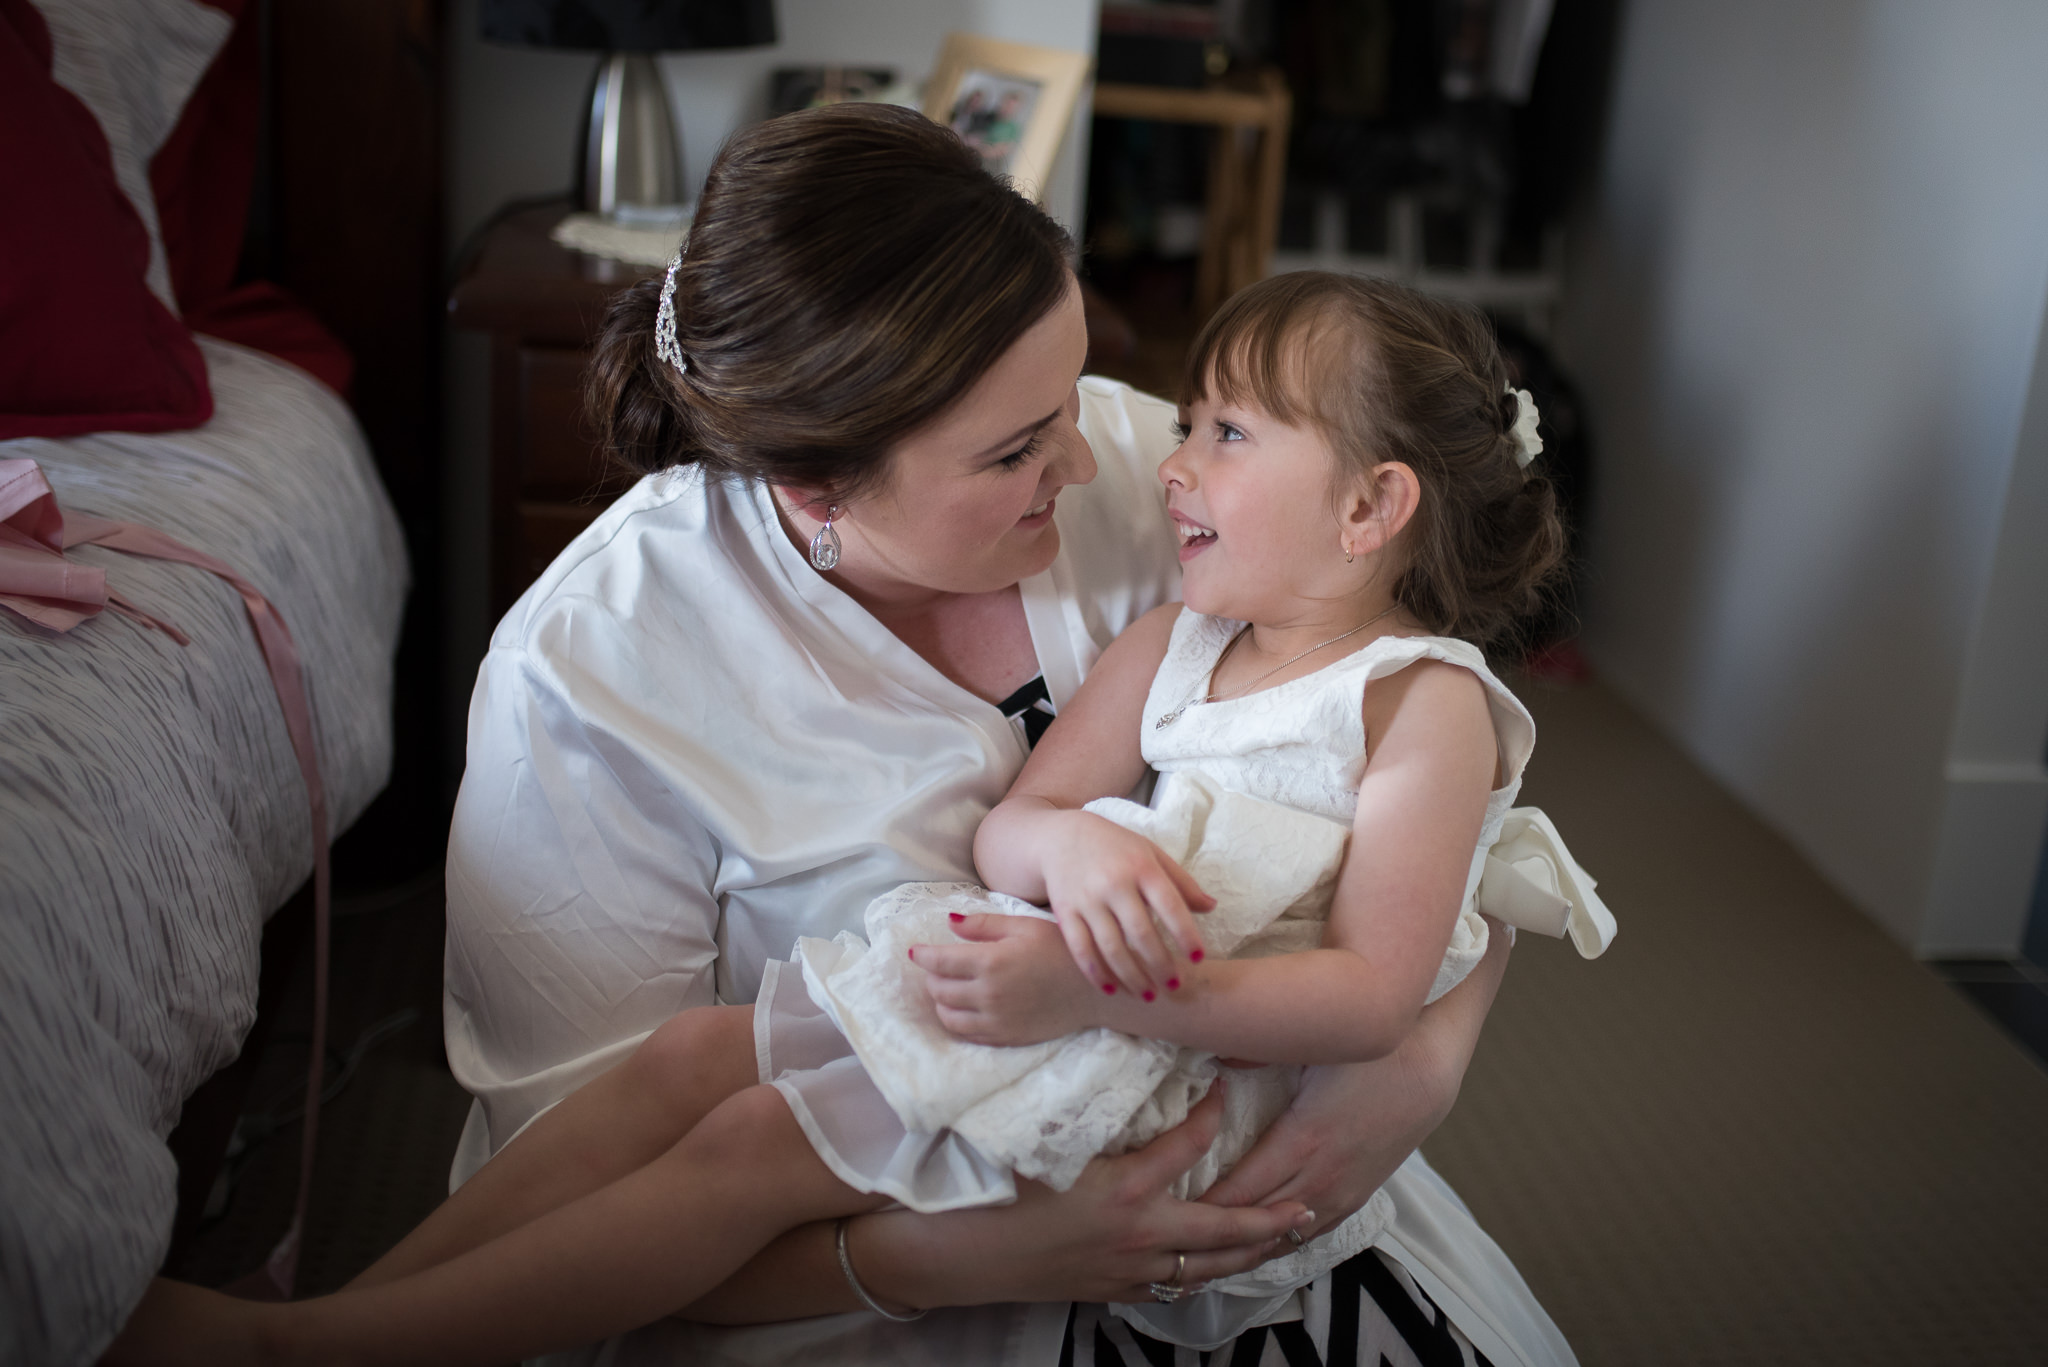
{"x":1989,"y":851}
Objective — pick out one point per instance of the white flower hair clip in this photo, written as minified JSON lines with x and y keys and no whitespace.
{"x":1527,"y":443}
{"x":665,"y":344}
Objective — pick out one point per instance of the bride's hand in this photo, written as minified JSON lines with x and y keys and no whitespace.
{"x":1116,"y":1231}
{"x":1352,"y":1124}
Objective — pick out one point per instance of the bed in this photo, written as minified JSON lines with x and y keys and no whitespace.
{"x":152,"y":811}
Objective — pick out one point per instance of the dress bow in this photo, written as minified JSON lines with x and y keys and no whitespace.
{"x":1532,"y":882}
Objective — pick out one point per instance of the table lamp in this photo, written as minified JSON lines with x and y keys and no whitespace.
{"x":632,"y":158}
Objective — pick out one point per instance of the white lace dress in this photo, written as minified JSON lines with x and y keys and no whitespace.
{"x":1255,"y":799}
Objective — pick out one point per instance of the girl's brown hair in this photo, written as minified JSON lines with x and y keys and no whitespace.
{"x":1387,"y":373}
{"x":851,"y":272}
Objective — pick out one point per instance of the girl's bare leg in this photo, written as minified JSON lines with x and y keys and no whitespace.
{"x":620,"y":1257}
{"x":619,"y":1121}
{"x":625,"y":1255}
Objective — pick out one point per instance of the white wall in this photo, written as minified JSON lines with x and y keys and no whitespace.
{"x":513,"y":119}
{"x":1807,"y":306}
{"x":516,"y":110}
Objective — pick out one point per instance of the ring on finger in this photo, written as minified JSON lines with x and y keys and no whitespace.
{"x":1294,"y":1237}
{"x":1171,"y":1290}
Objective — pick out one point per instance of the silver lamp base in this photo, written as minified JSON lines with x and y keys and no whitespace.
{"x":632,"y":161}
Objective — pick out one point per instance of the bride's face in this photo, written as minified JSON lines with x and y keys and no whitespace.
{"x":969,"y":500}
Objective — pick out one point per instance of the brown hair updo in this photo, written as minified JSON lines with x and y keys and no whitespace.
{"x":851,"y":272}
{"x":1388,"y":373}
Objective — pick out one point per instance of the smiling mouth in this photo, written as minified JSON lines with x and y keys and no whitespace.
{"x":1039,"y":511}
{"x":1192,"y":535}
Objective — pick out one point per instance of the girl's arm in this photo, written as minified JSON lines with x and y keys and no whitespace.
{"x":1421,"y":804}
{"x":1110,"y":887}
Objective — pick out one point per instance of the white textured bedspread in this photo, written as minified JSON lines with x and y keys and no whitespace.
{"x":152,"y":815}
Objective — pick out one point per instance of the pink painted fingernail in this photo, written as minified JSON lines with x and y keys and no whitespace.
{"x":1195,"y":956}
{"x":1148,"y":994}
{"x":1109,"y":988}
{"x":1173,"y":984}
{"x":912,"y":954}
{"x":955,"y":916}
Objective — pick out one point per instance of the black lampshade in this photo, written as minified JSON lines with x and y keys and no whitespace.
{"x":631,"y":25}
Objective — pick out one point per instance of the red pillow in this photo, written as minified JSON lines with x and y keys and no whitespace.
{"x":201,"y":178}
{"x":84,"y":345}
{"x":263,"y":315}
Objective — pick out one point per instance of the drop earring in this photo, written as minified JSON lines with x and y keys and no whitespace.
{"x":825,"y":545}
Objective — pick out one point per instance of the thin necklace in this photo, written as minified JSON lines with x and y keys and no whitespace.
{"x":1169,"y":718}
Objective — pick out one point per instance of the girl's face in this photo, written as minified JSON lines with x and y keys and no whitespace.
{"x":1250,"y":496}
{"x":968,"y":504}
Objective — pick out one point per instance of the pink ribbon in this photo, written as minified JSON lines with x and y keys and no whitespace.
{"x":38,"y":582}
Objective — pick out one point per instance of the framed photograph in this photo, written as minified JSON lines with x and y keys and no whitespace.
{"x":802,"y":87}
{"x":1010,"y":102}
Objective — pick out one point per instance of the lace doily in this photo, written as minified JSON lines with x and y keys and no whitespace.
{"x":601,"y":237}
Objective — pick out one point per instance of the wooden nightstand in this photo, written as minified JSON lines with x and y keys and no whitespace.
{"x":542,"y":304}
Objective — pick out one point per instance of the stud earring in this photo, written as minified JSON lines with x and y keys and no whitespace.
{"x":825,"y":545}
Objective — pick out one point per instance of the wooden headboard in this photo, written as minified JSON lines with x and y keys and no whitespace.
{"x":347,"y":216}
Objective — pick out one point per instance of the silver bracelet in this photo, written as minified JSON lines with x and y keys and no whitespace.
{"x":846,"y":1266}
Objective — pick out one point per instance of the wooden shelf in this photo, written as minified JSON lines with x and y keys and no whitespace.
{"x":1247,"y":165}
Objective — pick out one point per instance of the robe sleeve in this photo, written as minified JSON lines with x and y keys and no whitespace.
{"x":581,"y":909}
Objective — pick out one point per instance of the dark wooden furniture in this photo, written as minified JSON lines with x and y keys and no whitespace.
{"x":1244,"y":181}
{"x":542,"y":303}
{"x":346,"y":214}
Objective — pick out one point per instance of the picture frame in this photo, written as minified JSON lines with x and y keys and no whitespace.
{"x":1011,"y":102}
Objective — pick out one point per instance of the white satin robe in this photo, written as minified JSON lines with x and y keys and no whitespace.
{"x":686,"y":749}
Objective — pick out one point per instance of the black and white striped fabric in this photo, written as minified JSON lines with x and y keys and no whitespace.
{"x":152,"y":815}
{"x":1031,"y":708}
{"x":1367,"y":1313}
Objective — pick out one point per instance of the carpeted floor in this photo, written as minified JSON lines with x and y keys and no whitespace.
{"x":386,"y":1135}
{"x":1755,"y":1132}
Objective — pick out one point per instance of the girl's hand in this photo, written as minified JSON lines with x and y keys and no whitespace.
{"x":1111,"y":890}
{"x":1014,"y":983}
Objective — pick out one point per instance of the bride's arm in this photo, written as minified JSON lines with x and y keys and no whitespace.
{"x":1115,"y":1231}
{"x":1348,"y":1129}
{"x":1352,"y":1124}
